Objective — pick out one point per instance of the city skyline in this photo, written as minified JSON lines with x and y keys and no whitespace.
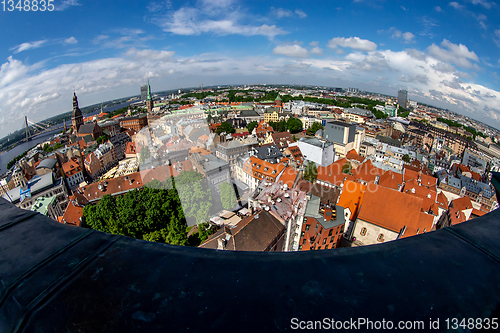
{"x":444,"y":55}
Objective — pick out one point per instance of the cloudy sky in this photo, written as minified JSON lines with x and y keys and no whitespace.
{"x":445,"y":53}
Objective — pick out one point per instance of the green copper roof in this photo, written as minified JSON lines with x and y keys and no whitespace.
{"x":42,"y":205}
{"x":149,"y":92}
{"x":278,"y":98}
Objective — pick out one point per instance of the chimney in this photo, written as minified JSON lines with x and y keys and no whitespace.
{"x":221,"y":244}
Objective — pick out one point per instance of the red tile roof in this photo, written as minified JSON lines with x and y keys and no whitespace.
{"x":478,"y":212}
{"x":333,"y":174}
{"x":442,"y":200}
{"x":462,"y":203}
{"x":353,"y":155}
{"x":391,"y":179}
{"x":288,"y":177}
{"x":404,"y":211}
{"x":352,"y":197}
{"x":262,"y":168}
{"x":367,"y":172}
{"x":130,"y":149}
{"x":73,"y":213}
{"x":71,"y":167}
{"x":426,"y":180}
{"x":456,"y":216}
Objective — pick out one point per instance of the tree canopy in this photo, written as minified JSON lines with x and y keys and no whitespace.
{"x":227,"y":196}
{"x":311,"y":172}
{"x":314,"y":128}
{"x":225,"y":127}
{"x":252,"y":125}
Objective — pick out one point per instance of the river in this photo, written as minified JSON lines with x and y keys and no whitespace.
{"x":7,"y":156}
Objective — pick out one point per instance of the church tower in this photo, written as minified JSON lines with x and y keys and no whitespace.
{"x":149,"y":101}
{"x":77,"y":118}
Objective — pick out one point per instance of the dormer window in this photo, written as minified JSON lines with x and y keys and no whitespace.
{"x":266,"y":168}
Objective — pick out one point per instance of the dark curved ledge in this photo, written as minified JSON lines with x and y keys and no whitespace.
{"x":59,"y":278}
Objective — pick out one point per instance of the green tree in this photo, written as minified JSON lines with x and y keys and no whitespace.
{"x":294,"y":125}
{"x":144,"y":154}
{"x":347,"y":168}
{"x":251,"y":126}
{"x":227,"y":196}
{"x":406,"y":158}
{"x":103,"y":138}
{"x":311,"y":172}
{"x":204,"y":231}
{"x":314,"y":128}
{"x":225,"y":127}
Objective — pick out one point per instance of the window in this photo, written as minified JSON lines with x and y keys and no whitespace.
{"x":363,"y":232}
{"x":300,"y":247}
{"x":316,"y":227}
{"x":324,"y":241}
{"x":331,"y":239}
{"x":330,"y":233}
{"x":342,"y":229}
{"x":380,"y":238}
{"x":302,"y":234}
{"x":307,"y":227}
{"x":304,"y":242}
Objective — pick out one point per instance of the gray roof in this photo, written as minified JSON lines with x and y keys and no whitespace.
{"x":454,"y":182}
{"x":267,"y":152}
{"x":312,"y":208}
{"x":248,"y":113}
{"x":38,"y":184}
{"x":48,"y":163}
{"x":87,"y":128}
{"x":316,"y":142}
{"x":476,"y":187}
{"x":210,"y":162}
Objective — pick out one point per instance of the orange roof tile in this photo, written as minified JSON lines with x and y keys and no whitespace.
{"x":71,"y":167}
{"x":456,"y":216}
{"x":442,"y":200}
{"x":288,"y":177}
{"x":402,"y":212}
{"x":73,"y":214}
{"x":426,"y":180}
{"x":413,"y":187}
{"x":262,"y":168}
{"x":353,"y":155}
{"x":367,"y":172}
{"x":462,"y":203}
{"x":333,"y":174}
{"x":352,"y":197}
{"x":391,"y":179}
{"x":478,"y":212}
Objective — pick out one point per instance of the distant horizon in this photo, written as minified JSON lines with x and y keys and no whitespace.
{"x":239,"y":85}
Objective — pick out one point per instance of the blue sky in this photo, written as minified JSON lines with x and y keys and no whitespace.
{"x":445,"y":53}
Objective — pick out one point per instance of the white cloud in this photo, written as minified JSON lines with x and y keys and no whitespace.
{"x":316,"y":50}
{"x":415,"y":54}
{"x":300,"y":13}
{"x":99,"y":39}
{"x":217,"y":20}
{"x":280,"y":12}
{"x":456,"y":5}
{"x":408,"y":37}
{"x":353,"y":43}
{"x":71,"y":40}
{"x":291,"y":51}
{"x":65,"y":4}
{"x":150,"y":54}
{"x":28,"y":46}
{"x":483,"y":3}
{"x":444,"y":67}
{"x":453,"y":53}
{"x":11,"y":70}
{"x":314,"y":43}
{"x":438,"y":9}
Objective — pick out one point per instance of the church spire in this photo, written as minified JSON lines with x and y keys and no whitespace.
{"x":149,"y":92}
